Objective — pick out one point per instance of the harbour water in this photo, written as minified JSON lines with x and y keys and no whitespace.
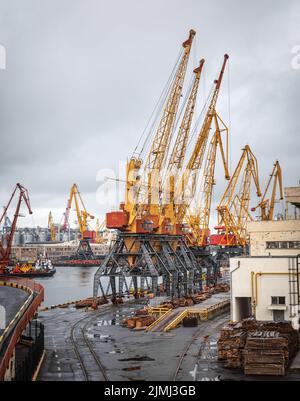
{"x":72,"y":283}
{"x":69,"y":283}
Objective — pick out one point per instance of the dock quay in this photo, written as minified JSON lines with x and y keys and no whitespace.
{"x":21,"y":335}
{"x":123,"y":354}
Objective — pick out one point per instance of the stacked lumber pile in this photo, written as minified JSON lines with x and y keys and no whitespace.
{"x":222,"y":287}
{"x":230,"y":346}
{"x":140,"y":312}
{"x":266,"y":353}
{"x":138,"y":322}
{"x":285,"y":330}
{"x":186,"y":302}
{"x":196,"y":298}
{"x":261,"y":348}
{"x":90,"y":302}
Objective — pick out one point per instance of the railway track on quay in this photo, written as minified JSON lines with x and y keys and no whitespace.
{"x":183,"y":354}
{"x":204,"y":331}
{"x":90,"y":363}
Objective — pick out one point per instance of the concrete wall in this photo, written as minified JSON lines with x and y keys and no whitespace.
{"x":30,"y":253}
{"x":261,"y":232}
{"x":292,"y":195}
{"x":242,"y":286}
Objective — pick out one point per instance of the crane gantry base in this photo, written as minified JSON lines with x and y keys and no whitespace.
{"x":149,"y":258}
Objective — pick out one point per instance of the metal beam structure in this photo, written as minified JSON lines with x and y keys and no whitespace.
{"x":144,"y":258}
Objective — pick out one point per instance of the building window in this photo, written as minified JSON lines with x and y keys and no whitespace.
{"x":294,"y":244}
{"x":278,"y":300}
{"x":283,"y":245}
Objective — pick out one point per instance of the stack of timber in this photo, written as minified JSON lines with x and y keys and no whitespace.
{"x":266,"y":353}
{"x":196,"y":298}
{"x":261,"y":348}
{"x":138,"y":322}
{"x":90,"y":302}
{"x":230,"y":346}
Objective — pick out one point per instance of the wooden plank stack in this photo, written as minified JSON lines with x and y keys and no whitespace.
{"x":138,"y":322}
{"x":230,"y":346}
{"x":266,"y":353}
{"x":261,"y":348}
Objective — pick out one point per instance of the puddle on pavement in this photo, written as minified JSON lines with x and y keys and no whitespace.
{"x":102,"y":337}
{"x":137,"y":359}
{"x":132,"y":368}
{"x":117,"y":351}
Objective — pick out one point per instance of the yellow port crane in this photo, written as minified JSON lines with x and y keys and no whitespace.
{"x":199,"y":222}
{"x":51,"y":227}
{"x":99,"y":229}
{"x":142,"y":247}
{"x":82,"y":214}
{"x":160,"y":144}
{"x":187,"y":186}
{"x":175,"y":164}
{"x":233,"y":209}
{"x":267,"y":205}
{"x":140,"y":211}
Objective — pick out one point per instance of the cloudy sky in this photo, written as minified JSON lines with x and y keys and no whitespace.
{"x":83,"y":76}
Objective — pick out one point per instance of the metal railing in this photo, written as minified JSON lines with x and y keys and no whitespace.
{"x":22,"y":322}
{"x":26,"y":368}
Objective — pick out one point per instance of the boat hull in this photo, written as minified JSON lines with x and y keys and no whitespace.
{"x":32,"y":274}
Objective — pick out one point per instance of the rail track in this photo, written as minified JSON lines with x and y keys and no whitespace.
{"x":85,"y":353}
{"x":202,"y":331}
{"x":183,"y":354}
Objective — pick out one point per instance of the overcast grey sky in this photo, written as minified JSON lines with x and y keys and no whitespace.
{"x":82,"y":78}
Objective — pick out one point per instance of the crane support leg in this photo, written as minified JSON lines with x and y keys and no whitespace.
{"x":149,"y":256}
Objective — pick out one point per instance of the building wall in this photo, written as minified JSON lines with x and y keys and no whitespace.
{"x":292,"y":195}
{"x":246,"y":283}
{"x":31,"y":252}
{"x":282,"y":233}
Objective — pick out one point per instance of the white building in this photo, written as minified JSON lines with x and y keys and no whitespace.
{"x":266,"y":283}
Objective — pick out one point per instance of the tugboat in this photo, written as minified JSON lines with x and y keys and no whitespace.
{"x":43,"y":268}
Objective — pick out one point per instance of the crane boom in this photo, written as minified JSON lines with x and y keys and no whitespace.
{"x":233,"y":209}
{"x":199,"y":223}
{"x":81,"y":212}
{"x":161,"y":140}
{"x":195,"y":161}
{"x":51,"y":227}
{"x":145,"y":197}
{"x":5,"y":250}
{"x":267,"y":205}
{"x":179,"y":149}
{"x":178,"y":153}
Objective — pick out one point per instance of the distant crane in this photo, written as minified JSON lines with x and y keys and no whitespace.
{"x":267,"y":205}
{"x":99,"y":232}
{"x":5,"y":250}
{"x":199,"y":222}
{"x":81,"y":212}
{"x":233,"y":209}
{"x":51,"y":227}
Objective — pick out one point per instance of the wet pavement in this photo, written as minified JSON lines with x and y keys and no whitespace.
{"x":126,"y":355}
{"x":11,"y":299}
{"x":183,"y":354}
{"x":208,"y":368}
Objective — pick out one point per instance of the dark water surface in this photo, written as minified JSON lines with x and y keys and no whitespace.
{"x":70,"y":283}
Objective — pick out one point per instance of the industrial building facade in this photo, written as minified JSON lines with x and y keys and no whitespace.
{"x":266,"y":283}
{"x":30,"y":252}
